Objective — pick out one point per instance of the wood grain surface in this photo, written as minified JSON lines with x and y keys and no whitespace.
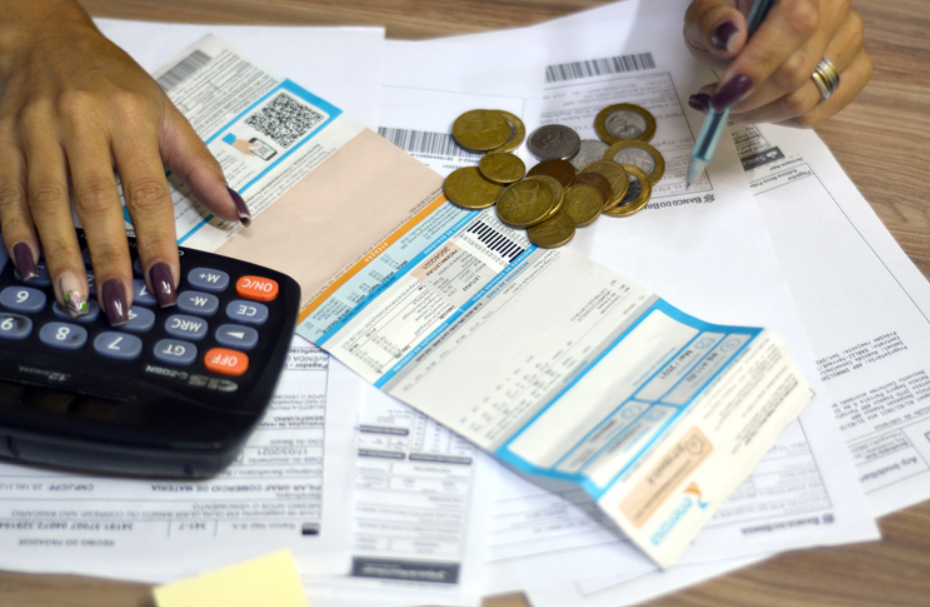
{"x":882,"y":141}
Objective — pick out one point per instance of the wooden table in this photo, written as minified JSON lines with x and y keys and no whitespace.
{"x":891,"y":115}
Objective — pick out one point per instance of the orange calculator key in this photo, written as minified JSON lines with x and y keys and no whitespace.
{"x":226,"y":362}
{"x":257,"y":288}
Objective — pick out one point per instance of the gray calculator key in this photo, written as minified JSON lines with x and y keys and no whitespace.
{"x":137,"y":267}
{"x":63,"y":335}
{"x":118,"y":345}
{"x":43,"y":278}
{"x":248,"y":312}
{"x":85,"y":255}
{"x":186,"y":327}
{"x":14,"y":326}
{"x":22,"y":299}
{"x":92,"y":283}
{"x":175,"y":351}
{"x":140,"y":320}
{"x":141,"y":293}
{"x":207,"y":279}
{"x":93,"y":311}
{"x":198,"y":302}
{"x":237,"y":336}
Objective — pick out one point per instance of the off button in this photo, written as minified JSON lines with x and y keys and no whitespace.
{"x":226,"y":362}
{"x":257,"y":288}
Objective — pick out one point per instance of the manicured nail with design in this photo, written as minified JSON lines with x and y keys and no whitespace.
{"x":22,"y":257}
{"x":724,"y":36}
{"x":72,"y":292}
{"x":700,"y":102}
{"x":731,"y":92}
{"x":113,"y":294}
{"x":244,"y":216}
{"x":163,"y":284}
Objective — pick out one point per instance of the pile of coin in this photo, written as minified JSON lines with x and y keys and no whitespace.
{"x":575,"y":182}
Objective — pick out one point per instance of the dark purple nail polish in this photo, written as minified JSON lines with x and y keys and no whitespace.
{"x":244,"y":216}
{"x":162,"y":285}
{"x":114,"y":302}
{"x":724,"y":36}
{"x":22,"y":257}
{"x":731,"y":92}
{"x":700,"y":102}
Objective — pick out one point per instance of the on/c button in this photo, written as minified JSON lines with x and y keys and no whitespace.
{"x":257,"y":288}
{"x":226,"y":361}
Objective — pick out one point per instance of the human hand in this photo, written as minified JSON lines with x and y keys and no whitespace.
{"x":768,"y":78}
{"x":75,"y":111}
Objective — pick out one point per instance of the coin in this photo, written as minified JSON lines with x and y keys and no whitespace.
{"x":554,"y":232}
{"x":624,"y":122}
{"x":467,"y":188}
{"x":588,"y":151}
{"x":558,"y":192}
{"x":524,"y":203}
{"x":583,"y":203}
{"x":616,"y":176}
{"x":561,"y":170}
{"x":553,"y":141}
{"x":599,"y":182}
{"x":636,"y":197}
{"x":517,"y":133}
{"x":501,"y":167}
{"x":639,"y":154}
{"x":481,"y":130}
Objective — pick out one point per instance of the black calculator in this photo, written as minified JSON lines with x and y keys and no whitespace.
{"x":174,"y":393}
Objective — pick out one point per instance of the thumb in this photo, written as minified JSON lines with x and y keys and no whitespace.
{"x":715,"y":30}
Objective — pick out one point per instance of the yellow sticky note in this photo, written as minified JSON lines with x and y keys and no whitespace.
{"x":267,"y":581}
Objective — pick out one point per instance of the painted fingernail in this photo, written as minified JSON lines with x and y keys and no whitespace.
{"x":724,"y":36}
{"x":22,"y":257}
{"x":244,"y":216}
{"x":162,"y":282}
{"x":731,"y":92}
{"x":114,"y":302}
{"x":700,"y":102}
{"x":72,"y":292}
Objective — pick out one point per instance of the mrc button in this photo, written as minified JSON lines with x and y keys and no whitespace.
{"x":257,"y":288}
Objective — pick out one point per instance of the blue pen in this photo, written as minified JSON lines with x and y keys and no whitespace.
{"x":716,"y":121}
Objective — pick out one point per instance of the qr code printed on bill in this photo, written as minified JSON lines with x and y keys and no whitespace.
{"x":284,"y":120}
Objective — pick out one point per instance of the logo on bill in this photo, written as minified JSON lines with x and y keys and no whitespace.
{"x":693,"y":488}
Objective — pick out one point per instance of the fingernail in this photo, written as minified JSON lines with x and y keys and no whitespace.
{"x":731,"y":92}
{"x":162,"y":282}
{"x":22,"y":257}
{"x":700,"y":102}
{"x":73,"y":295}
{"x":244,"y":216}
{"x":114,"y":302}
{"x":724,"y":36}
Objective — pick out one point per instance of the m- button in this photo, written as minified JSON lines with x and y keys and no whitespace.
{"x":257,"y":288}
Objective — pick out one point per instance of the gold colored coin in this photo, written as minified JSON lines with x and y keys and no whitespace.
{"x":467,"y":188}
{"x":638,"y":154}
{"x":638,"y":195}
{"x":524,"y":203}
{"x":616,"y":176}
{"x":554,"y":232}
{"x":501,"y":167}
{"x":624,"y":122}
{"x":583,"y":203}
{"x":517,"y":133}
{"x":481,"y":130}
{"x":558,"y":192}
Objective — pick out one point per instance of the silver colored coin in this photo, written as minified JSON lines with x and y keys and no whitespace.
{"x":589,"y":151}
{"x":637,"y":157}
{"x":553,"y":141}
{"x":625,"y":124}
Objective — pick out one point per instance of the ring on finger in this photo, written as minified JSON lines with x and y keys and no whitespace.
{"x":826,"y":77}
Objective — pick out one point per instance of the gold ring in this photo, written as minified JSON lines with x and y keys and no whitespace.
{"x":826,"y":77}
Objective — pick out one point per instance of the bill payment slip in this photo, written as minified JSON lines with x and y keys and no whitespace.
{"x":562,"y":368}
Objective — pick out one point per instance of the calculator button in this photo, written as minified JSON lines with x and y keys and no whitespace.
{"x":85,"y":254}
{"x":42,"y":279}
{"x":186,"y":327}
{"x":257,"y":288}
{"x":63,"y":335}
{"x":140,"y":320}
{"x":141,"y":293}
{"x":137,"y":267}
{"x":175,"y":351}
{"x":22,"y":299}
{"x":14,"y":326}
{"x":206,"y":279}
{"x":226,"y":362}
{"x":237,"y":336}
{"x":248,"y":312}
{"x":91,"y":283}
{"x":118,"y":345}
{"x":93,"y":311}
{"x":198,"y":302}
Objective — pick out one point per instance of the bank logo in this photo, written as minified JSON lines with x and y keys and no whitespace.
{"x":694,"y":489}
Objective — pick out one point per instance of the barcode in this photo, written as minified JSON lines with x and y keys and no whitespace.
{"x":495,"y":241}
{"x":183,"y":70}
{"x":600,"y":67}
{"x":425,"y":142}
{"x":284,"y":120}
